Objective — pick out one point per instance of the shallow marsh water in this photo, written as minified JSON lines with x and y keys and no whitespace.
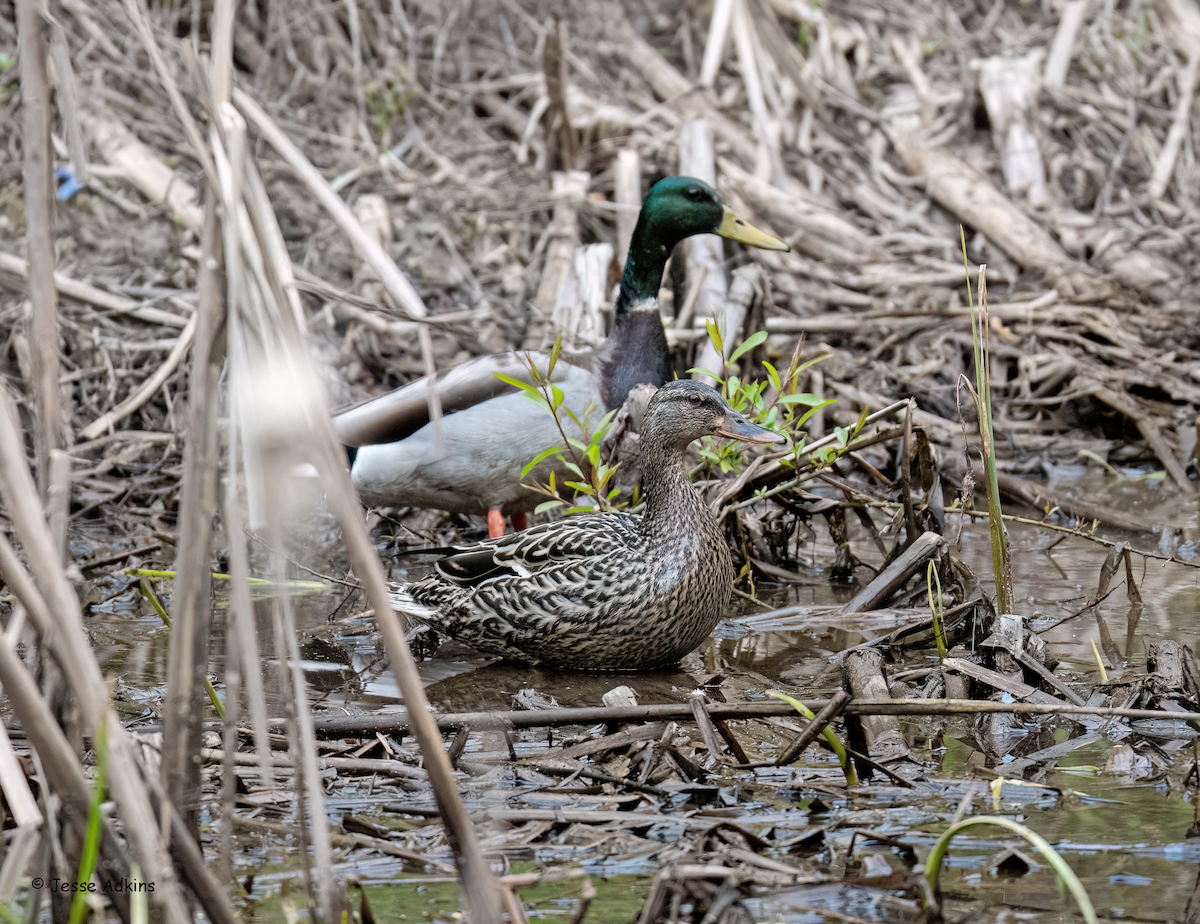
{"x":1125,"y":838}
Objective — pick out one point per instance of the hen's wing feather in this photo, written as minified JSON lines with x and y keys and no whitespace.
{"x":539,"y":547}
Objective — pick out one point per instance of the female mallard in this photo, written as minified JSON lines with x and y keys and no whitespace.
{"x":490,"y":430}
{"x":601,"y":591}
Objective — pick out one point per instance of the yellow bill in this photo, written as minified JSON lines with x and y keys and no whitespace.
{"x":740,"y":230}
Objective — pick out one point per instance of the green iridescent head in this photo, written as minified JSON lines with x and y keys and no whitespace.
{"x":678,"y":207}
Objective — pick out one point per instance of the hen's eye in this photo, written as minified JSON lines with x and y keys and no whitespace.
{"x":695,"y":399}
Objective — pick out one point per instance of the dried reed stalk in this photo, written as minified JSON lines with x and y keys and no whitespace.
{"x":39,"y":223}
{"x":61,"y":628}
{"x":284,"y":420}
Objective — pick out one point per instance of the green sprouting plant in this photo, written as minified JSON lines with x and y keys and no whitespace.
{"x":1066,"y":876}
{"x":775,"y":402}
{"x":152,"y":598}
{"x":90,"y":855}
{"x":1117,"y":474}
{"x":385,"y":103}
{"x":804,"y":37}
{"x":982,"y":395}
{"x":581,"y":457}
{"x":827,"y":733}
{"x":937,"y":609}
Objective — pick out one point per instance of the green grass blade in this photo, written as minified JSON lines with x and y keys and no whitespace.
{"x":826,"y":732}
{"x":1066,"y":875}
{"x":152,"y":597}
{"x":1001,"y":564}
{"x":91,"y":840}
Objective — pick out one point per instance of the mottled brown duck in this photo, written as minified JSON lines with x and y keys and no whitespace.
{"x":601,"y":591}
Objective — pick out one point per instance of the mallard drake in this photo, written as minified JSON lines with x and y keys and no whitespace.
{"x":490,"y":430}
{"x":601,"y":591}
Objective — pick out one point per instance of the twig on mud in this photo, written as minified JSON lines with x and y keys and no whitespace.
{"x":81,"y":291}
{"x":1078,"y":533}
{"x":398,"y":722}
{"x":147,"y":389}
{"x":346,"y":840}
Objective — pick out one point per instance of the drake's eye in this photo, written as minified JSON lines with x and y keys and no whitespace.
{"x":692,"y":192}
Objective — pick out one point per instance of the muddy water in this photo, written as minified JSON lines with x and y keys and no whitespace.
{"x":1125,"y":838}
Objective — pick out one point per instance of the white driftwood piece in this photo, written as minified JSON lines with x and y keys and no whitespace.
{"x":1009,"y":87}
{"x":568,"y":189}
{"x":705,"y":252}
{"x":372,"y":213}
{"x":24,"y":810}
{"x":714,"y":48}
{"x":766,"y":129}
{"x":143,"y":169}
{"x":579,"y":312}
{"x":1062,"y":49}
{"x":627,"y":190}
{"x":1164,"y":166}
{"x":737,"y":306}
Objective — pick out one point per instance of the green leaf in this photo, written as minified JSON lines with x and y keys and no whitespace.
{"x":607,"y":472}
{"x":582,"y":447}
{"x":842,"y":434}
{"x":605,"y":423}
{"x":747,"y":345}
{"x":557,"y":395}
{"x":700,"y":370}
{"x":571,"y":510}
{"x":593,"y":455}
{"x":555,"y":351}
{"x":578,"y":423}
{"x":580,"y":486}
{"x":544,"y":454}
{"x":819,"y":358}
{"x":517,"y":383}
{"x":862,"y":420}
{"x":548,"y":505}
{"x":811,"y":411}
{"x":806,"y":399}
{"x":574,"y":469}
{"x":714,"y":334}
{"x":773,"y":373}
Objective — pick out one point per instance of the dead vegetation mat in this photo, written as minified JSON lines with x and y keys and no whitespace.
{"x":866,"y":137}
{"x":488,"y":143}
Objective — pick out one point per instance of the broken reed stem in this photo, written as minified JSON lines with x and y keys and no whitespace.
{"x":284,"y":361}
{"x":188,"y":655}
{"x":816,"y":725}
{"x":39,"y":222}
{"x":65,"y":637}
{"x":399,"y":722}
{"x":980,"y":340}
